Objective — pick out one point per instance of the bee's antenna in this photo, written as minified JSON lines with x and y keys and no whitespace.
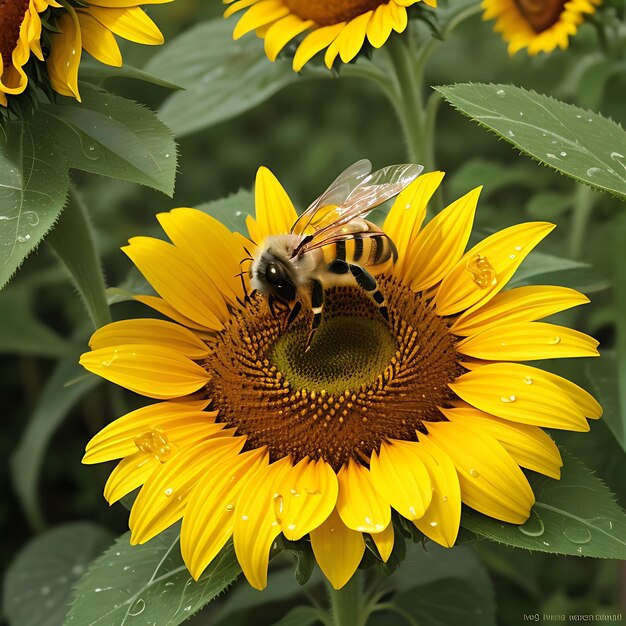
{"x":243,"y":284}
{"x":248,"y":252}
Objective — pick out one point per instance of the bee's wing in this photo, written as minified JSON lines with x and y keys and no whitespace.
{"x":336,"y":194}
{"x":371,"y":192}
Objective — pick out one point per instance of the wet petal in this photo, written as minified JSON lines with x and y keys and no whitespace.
{"x":359,"y":505}
{"x":338,"y":550}
{"x":304,"y":497}
{"x":209,"y":518}
{"x":400,"y":477}
{"x":130,"y":473}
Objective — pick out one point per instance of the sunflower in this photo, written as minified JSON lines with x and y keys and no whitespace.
{"x":90,"y":27}
{"x":252,"y":436}
{"x":538,"y":25}
{"x":339,"y":26}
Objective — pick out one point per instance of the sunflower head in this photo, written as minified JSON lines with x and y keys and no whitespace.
{"x":340,"y":27}
{"x":380,"y":422}
{"x":537,"y":25}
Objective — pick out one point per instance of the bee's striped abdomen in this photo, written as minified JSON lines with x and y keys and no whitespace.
{"x":370,"y":251}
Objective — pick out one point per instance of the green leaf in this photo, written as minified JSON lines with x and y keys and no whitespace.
{"x":300,"y":616}
{"x":33,"y":188}
{"x":576,"y":515}
{"x":112,"y":136}
{"x":223,"y":78}
{"x":98,"y":72}
{"x":573,"y":141}
{"x":602,"y":374}
{"x":147,"y":584}
{"x":53,"y":406}
{"x":21,"y":331}
{"x":38,"y":583}
{"x":548,"y":205}
{"x":232,"y":211}
{"x":619,"y":241}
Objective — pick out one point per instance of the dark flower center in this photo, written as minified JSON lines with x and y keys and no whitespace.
{"x":363,"y":381}
{"x":541,"y":14}
{"x":327,"y":12}
{"x":11,"y":17}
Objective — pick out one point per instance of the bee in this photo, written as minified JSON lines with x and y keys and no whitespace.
{"x":332,"y":244}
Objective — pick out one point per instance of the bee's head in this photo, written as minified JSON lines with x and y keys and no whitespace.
{"x":271,"y":276}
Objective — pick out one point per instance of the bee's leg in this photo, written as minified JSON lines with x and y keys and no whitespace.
{"x":295,"y":310}
{"x":368,"y":283}
{"x":317,"y":306}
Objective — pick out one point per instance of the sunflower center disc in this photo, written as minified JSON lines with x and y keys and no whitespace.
{"x":11,"y":17}
{"x":327,"y":12}
{"x":541,"y":14}
{"x":362,"y":382}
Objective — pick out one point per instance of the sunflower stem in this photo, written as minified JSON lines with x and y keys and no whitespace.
{"x":583,"y":207}
{"x":72,"y":240}
{"x":347,"y":604}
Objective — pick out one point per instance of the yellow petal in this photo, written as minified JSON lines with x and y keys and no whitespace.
{"x":210,"y":246}
{"x":400,"y":477}
{"x":442,"y":243}
{"x":280,"y":33}
{"x":99,"y":41}
{"x":304,"y":497}
{"x":528,"y":341}
{"x":175,"y":421}
{"x":407,"y":214}
{"x":315,"y":42}
{"x":237,"y":6}
{"x":522,"y":304}
{"x":275,"y":213}
{"x":210,"y":515}
{"x":338,"y":550}
{"x":379,"y":27}
{"x":359,"y":505}
{"x":352,"y":37}
{"x":260,"y":14}
{"x":118,"y":4}
{"x":398,"y":16}
{"x":491,"y":481}
{"x":165,"y":308}
{"x":529,"y":446}
{"x":163,"y":498}
{"x":149,"y":370}
{"x":129,"y":474}
{"x":527,"y":395}
{"x":151,"y":332}
{"x":256,"y":527}
{"x":130,"y":23}
{"x":65,"y":52}
{"x":178,"y":280}
{"x":443,"y":517}
{"x":487,"y":267}
{"x":384,"y":542}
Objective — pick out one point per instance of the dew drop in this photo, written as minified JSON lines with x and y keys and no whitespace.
{"x":407,"y":206}
{"x":528,"y":380}
{"x":563,"y":153}
{"x":168,"y":492}
{"x":138,"y":608}
{"x":279,"y":505}
{"x":312,"y":492}
{"x":616,"y":155}
{"x":500,"y":92}
{"x":23,"y":239}
{"x":434,"y":524}
{"x":230,"y":507}
{"x":577,"y":534}
{"x":510,"y":133}
{"x":483,"y":273}
{"x":167,"y":156}
{"x":508,"y":399}
{"x":237,"y":213}
{"x":244,"y":518}
{"x":592,"y":171}
{"x":533,"y":526}
{"x":518,"y":248}
{"x":474,"y":473}
{"x":556,"y":339}
{"x":444,"y":498}
{"x":512,"y":256}
{"x":550,"y":155}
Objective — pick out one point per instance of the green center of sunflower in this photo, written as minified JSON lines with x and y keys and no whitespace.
{"x":327,"y":12}
{"x":541,"y":14}
{"x":11,"y":17}
{"x":362,"y":382}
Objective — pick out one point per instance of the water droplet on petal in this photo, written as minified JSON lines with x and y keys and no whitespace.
{"x":434,"y":524}
{"x":244,"y":518}
{"x":483,"y":273}
{"x":407,"y":206}
{"x":444,"y":498}
{"x":474,"y":473}
{"x":230,"y":507}
{"x":528,"y":380}
{"x":168,"y":492}
{"x":556,"y":339}
{"x":279,"y":505}
{"x":508,"y":399}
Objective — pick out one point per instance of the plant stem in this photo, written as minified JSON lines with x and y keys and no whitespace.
{"x":347,"y":604}
{"x":583,"y":208}
{"x":72,"y":240}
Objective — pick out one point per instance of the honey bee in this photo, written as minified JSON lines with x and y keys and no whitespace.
{"x":332,"y":244}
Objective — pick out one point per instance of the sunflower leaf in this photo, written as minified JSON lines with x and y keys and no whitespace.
{"x":147,"y":584}
{"x":33,"y":188}
{"x":38,"y":583}
{"x":576,"y":515}
{"x":232,"y":211}
{"x":113,"y":136}
{"x":576,"y":142}
{"x":222,"y":78}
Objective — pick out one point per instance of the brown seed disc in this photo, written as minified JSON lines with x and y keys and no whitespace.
{"x":11,"y":17}
{"x":364,"y":380}
{"x":327,"y":12}
{"x":541,"y":14}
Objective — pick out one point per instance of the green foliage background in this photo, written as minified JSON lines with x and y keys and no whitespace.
{"x":306,"y":133}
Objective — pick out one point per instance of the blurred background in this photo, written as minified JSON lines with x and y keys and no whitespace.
{"x":306,"y":134}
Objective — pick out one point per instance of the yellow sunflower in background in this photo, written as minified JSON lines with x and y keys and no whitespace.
{"x":538,"y":25}
{"x":339,"y":26}
{"x":252,"y":436}
{"x":90,"y":27}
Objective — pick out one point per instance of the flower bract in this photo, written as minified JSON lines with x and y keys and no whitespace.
{"x":379,"y":423}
